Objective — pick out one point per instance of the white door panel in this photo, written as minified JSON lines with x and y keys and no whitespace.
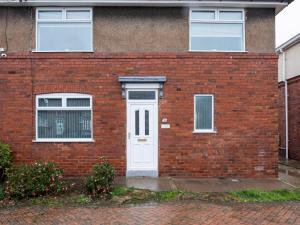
{"x":142,"y":135}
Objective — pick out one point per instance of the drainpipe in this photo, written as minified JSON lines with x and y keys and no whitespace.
{"x":285,"y":105}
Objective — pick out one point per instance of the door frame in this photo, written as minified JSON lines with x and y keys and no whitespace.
{"x":138,"y":87}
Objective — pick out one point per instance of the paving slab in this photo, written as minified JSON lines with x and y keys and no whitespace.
{"x":290,"y":175}
{"x":289,"y":178}
{"x":290,"y":162}
{"x":227,"y":185}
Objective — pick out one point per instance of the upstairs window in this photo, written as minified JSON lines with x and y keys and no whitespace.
{"x":217,"y":30}
{"x":64,"y":29}
{"x":63,"y":117}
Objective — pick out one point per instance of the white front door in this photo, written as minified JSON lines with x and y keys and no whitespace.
{"x":142,"y":133}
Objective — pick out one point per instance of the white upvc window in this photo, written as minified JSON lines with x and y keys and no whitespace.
{"x":64,"y":29}
{"x":221,"y":30}
{"x":204,"y":113}
{"x":64,"y":117}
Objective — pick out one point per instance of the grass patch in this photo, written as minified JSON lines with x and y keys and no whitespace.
{"x":121,"y":191}
{"x":121,"y":195}
{"x":82,"y":199}
{"x":47,"y":201}
{"x":253,"y":195}
{"x":169,"y":195}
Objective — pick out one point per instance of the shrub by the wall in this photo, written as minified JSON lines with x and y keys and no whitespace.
{"x":5,"y":159}
{"x":100,"y":183}
{"x":33,"y":180}
{"x":2,"y":195}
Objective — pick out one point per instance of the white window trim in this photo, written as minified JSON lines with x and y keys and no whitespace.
{"x":64,"y":97}
{"x":217,"y":21}
{"x":213,"y":117}
{"x":64,"y":10}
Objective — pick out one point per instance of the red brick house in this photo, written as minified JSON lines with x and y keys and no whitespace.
{"x":289,"y":98}
{"x":160,"y":88}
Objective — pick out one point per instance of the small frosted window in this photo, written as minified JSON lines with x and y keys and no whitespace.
{"x":50,"y":102}
{"x":137,"y":122}
{"x":146,"y":122}
{"x":48,"y":15}
{"x":203,"y":15}
{"x":204,"y":113}
{"x":78,"y":102}
{"x":231,"y":15}
{"x":78,"y":14}
{"x":141,"y":95}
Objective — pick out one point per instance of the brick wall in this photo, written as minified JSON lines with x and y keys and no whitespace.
{"x":294,"y":117}
{"x":244,"y":85}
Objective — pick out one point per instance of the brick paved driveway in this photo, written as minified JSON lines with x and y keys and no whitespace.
{"x":164,"y":213}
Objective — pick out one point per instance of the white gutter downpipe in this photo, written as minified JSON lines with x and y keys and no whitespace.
{"x":285,"y":105}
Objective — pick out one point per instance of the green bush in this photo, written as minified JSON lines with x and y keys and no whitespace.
{"x":100,"y":183}
{"x":5,"y":158}
{"x":1,"y":192}
{"x":33,"y":180}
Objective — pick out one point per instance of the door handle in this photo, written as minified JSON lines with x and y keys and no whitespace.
{"x":128,"y":135}
{"x":142,"y":140}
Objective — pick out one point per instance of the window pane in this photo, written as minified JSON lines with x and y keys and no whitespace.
{"x":216,"y":29}
{"x":64,"y":37}
{"x":231,"y":15}
{"x":146,"y":122}
{"x":203,"y":15}
{"x":204,"y":112}
{"x":224,"y":37}
{"x":137,"y":122}
{"x":78,"y":102}
{"x":216,"y":43}
{"x":50,"y":102}
{"x":78,"y":14}
{"x":140,"y":95}
{"x":64,"y":124}
{"x":53,"y":14}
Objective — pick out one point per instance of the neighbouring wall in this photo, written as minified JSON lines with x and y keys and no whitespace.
{"x":140,"y":29}
{"x":292,"y":64}
{"x":294,"y":117}
{"x":246,"y":117}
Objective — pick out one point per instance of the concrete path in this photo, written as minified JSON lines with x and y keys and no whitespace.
{"x":175,"y":213}
{"x":289,"y":178}
{"x":291,"y":163}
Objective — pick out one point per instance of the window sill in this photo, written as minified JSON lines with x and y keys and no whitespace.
{"x":88,"y":51}
{"x":205,"y":132}
{"x":64,"y":140}
{"x":217,"y":51}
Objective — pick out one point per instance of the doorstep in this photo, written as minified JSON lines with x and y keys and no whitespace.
{"x":150,"y":183}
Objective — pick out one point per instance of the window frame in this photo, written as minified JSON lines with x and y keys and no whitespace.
{"x":64,"y":107}
{"x":217,"y":21}
{"x":212,"y":130}
{"x":63,"y":20}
